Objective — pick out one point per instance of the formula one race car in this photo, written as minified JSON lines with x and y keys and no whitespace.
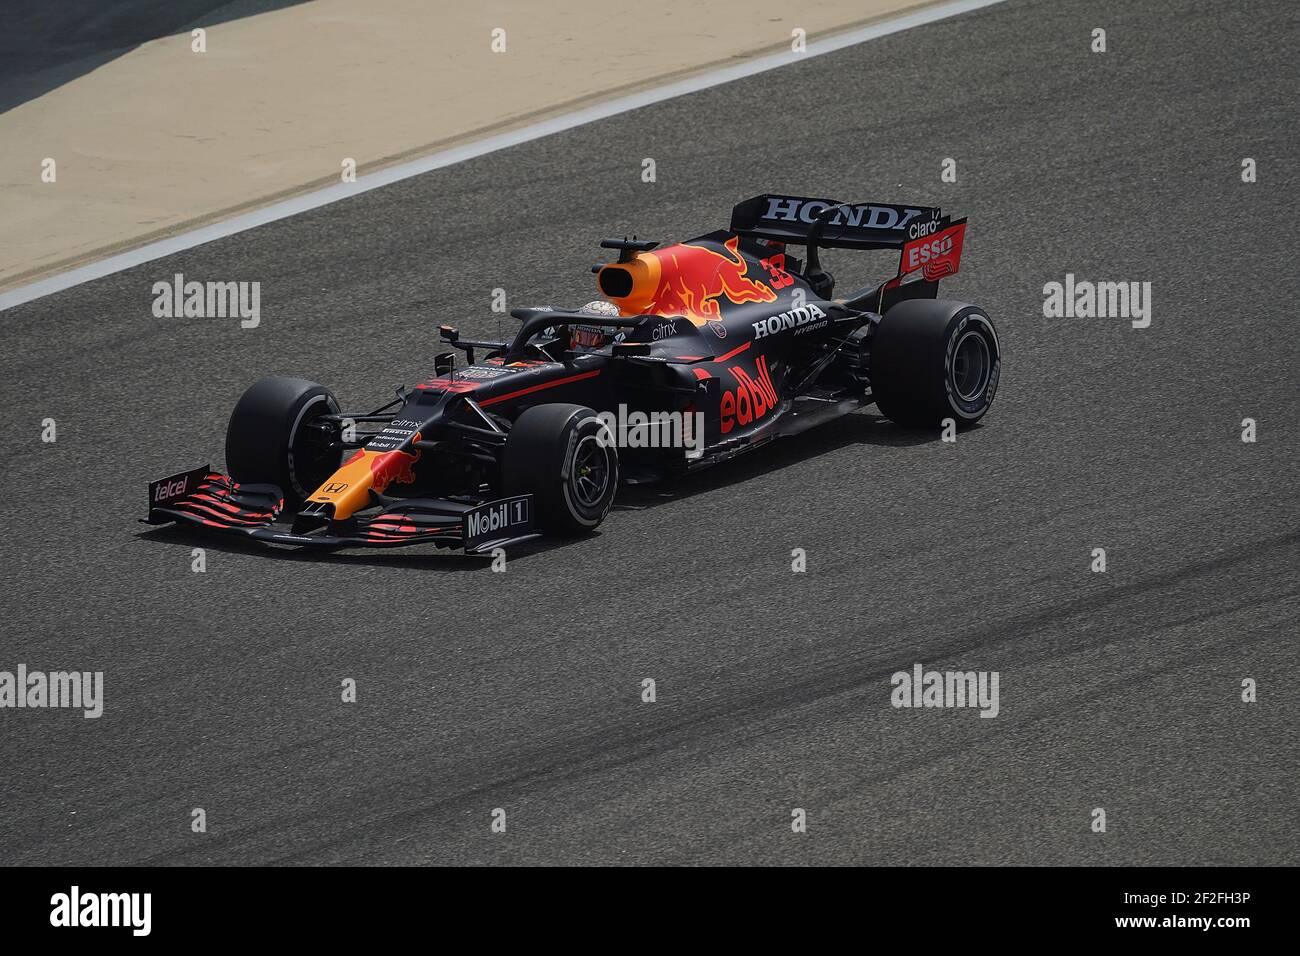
{"x":697,"y":352}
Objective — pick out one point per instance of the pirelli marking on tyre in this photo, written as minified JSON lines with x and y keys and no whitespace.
{"x":974,"y":404}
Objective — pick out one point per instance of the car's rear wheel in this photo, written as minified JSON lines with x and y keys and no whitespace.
{"x":271,"y":437}
{"x":565,"y":457}
{"x":932,"y":359}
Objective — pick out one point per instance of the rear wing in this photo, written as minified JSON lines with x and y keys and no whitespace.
{"x":800,"y":221}
{"x":929,"y":242}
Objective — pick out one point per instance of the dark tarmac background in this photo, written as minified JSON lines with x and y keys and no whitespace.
{"x":522,"y":690}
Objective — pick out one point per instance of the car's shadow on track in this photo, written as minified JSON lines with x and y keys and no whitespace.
{"x":861,"y":428}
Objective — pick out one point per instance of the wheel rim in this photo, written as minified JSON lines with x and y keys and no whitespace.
{"x":312,"y":454}
{"x":971,"y":365}
{"x":590,"y":475}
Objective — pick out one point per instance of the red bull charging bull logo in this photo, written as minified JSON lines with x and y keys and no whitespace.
{"x":694,"y":279}
{"x":392,"y":466}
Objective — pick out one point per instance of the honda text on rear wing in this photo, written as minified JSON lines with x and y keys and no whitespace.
{"x":930,"y":243}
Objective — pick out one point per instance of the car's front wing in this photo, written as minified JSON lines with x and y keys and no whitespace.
{"x":211,"y":501}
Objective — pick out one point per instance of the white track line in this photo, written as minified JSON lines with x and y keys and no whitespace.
{"x":458,"y":154}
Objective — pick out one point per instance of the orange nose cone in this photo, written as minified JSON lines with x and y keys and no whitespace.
{"x":348,"y":489}
{"x":630,"y":285}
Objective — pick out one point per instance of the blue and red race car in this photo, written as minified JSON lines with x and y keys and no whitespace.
{"x":697,"y":351}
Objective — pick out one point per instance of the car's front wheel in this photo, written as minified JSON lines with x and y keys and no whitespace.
{"x":271,"y":437}
{"x":565,"y":457}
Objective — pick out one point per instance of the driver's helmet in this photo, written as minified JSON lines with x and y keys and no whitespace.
{"x":595,"y":336}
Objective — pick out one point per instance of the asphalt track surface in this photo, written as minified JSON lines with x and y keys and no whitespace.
{"x":522,"y":690}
